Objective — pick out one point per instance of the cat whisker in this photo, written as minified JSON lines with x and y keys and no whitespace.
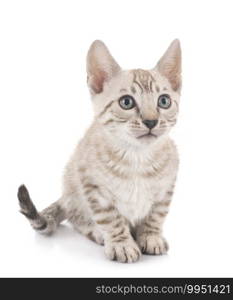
{"x":167,"y":126}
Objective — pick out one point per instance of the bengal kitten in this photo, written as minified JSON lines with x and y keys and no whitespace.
{"x":119,"y":182}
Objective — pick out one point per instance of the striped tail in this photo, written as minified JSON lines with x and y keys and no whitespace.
{"x":45,"y":222}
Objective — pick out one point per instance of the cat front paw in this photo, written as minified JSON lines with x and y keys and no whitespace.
{"x":153,"y":244}
{"x":123,"y":251}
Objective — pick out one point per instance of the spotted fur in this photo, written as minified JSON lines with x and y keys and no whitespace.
{"x":119,"y":182}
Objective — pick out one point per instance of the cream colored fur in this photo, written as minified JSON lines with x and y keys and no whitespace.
{"x":118,"y":185}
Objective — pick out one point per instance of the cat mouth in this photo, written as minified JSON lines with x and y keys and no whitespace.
{"x":147,"y":135}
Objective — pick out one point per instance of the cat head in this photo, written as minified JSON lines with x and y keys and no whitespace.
{"x":136,"y":106}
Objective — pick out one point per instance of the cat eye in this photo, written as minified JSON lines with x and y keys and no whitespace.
{"x":164,"y":101}
{"x":127,"y":102}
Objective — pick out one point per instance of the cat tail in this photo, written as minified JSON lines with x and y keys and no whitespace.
{"x":44,"y":222}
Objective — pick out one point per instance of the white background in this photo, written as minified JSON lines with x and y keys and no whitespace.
{"x":46,"y":108}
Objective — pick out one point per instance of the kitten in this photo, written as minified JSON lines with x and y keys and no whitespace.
{"x":119,"y":182}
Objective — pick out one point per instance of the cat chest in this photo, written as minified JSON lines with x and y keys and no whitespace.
{"x":135,"y":198}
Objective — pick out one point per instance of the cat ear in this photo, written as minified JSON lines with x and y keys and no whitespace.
{"x":101,"y":66}
{"x":170,"y":65}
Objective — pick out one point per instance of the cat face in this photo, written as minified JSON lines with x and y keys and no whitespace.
{"x":135,"y":106}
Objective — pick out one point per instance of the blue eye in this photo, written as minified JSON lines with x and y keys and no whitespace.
{"x":164,"y":101}
{"x":127,"y":102}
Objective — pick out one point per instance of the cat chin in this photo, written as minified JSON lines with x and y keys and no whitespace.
{"x":151,"y":139}
{"x":147,"y":139}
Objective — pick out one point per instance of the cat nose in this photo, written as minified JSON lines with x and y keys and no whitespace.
{"x":150,"y":123}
